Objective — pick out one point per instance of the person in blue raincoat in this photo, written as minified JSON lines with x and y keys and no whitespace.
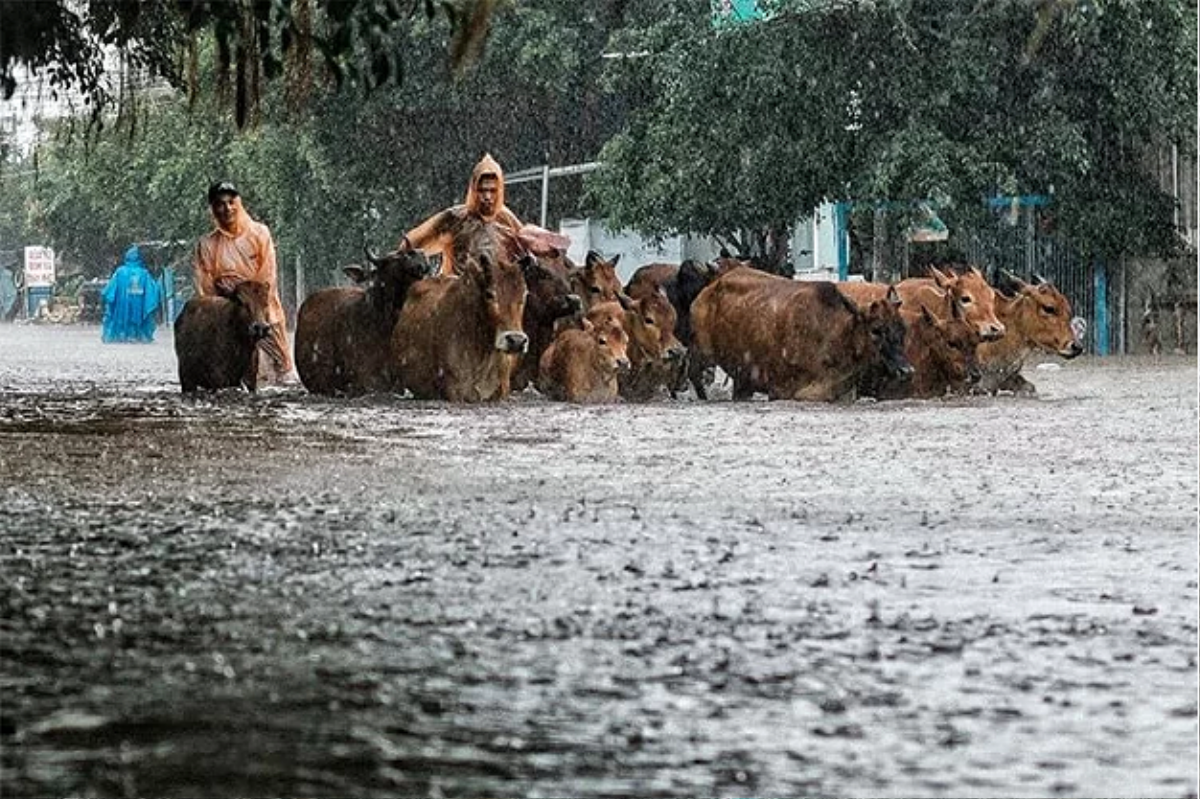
{"x":130,"y":301}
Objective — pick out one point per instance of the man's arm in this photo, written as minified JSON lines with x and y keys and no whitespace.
{"x":432,"y":235}
{"x":201,"y":273}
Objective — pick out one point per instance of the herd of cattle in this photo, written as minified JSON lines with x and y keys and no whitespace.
{"x":574,"y":333}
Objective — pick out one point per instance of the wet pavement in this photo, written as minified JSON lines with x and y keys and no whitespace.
{"x":290,"y":595}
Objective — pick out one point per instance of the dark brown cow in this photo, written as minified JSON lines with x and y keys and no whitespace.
{"x":344,"y":334}
{"x":656,"y":357}
{"x":795,"y":339}
{"x":596,"y":281}
{"x":549,"y":300}
{"x":970,"y":289}
{"x":1038,"y":317}
{"x":455,"y":334}
{"x":583,"y":364}
{"x":217,"y":338}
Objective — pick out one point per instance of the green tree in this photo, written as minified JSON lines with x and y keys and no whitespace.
{"x":257,"y":42}
{"x":748,"y":128}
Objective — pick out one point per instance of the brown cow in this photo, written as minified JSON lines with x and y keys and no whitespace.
{"x":596,"y":281}
{"x":682,"y":284}
{"x":549,"y":300}
{"x":217,"y":337}
{"x":344,"y":334}
{"x":454,"y":334}
{"x":656,"y":357}
{"x":941,"y":352}
{"x":583,"y":364}
{"x":1038,"y":317}
{"x":795,"y":339}
{"x":970,"y":289}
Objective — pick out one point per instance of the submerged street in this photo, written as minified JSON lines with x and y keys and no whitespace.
{"x":284,"y":594}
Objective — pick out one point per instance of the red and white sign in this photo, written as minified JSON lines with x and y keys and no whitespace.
{"x":39,"y":267}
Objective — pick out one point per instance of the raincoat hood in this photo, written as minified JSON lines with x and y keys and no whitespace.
{"x":486,"y":166}
{"x":240,"y":223}
{"x":133,"y":257}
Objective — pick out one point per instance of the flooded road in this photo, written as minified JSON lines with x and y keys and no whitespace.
{"x":289,"y":595}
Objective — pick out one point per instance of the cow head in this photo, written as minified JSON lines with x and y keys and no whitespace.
{"x":952,"y":346}
{"x":888,"y":330}
{"x":550,"y":294}
{"x":596,"y":281}
{"x":612,"y":344}
{"x":388,"y":278}
{"x":650,"y":323}
{"x":1043,"y":315}
{"x":502,"y":289}
{"x":253,"y":300}
{"x":976,"y":299}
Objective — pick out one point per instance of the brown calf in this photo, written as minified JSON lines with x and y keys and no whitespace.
{"x":970,"y":290}
{"x":596,"y":281}
{"x":682,"y":284}
{"x":583,"y":364}
{"x":217,"y":338}
{"x":1038,"y":317}
{"x":656,"y":357}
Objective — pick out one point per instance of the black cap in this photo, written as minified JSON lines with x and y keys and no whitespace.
{"x":219,"y":188}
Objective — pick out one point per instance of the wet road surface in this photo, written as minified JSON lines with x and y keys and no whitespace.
{"x":288,"y":595}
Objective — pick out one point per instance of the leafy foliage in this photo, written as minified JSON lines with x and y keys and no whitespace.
{"x":749,"y":127}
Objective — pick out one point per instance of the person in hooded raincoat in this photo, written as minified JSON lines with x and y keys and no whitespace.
{"x":239,"y":249}
{"x":482,"y":223}
{"x":131,"y":299}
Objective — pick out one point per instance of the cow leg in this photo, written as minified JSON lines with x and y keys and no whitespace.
{"x":743,"y":388}
{"x":1018,"y":385}
{"x":697,"y":374}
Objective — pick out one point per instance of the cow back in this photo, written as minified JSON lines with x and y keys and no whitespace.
{"x":789,"y":339}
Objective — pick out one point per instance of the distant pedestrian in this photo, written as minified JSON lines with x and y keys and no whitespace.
{"x":131,"y":301}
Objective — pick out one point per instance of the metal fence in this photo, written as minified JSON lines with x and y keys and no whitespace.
{"x":1096,"y":291}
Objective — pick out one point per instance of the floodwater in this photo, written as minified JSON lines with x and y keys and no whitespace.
{"x":288,"y":595}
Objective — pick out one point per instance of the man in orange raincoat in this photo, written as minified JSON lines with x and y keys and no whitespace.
{"x":481,"y":224}
{"x":237,"y":250}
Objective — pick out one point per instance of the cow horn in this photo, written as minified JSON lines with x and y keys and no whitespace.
{"x":1038,"y":280}
{"x":371,"y":255}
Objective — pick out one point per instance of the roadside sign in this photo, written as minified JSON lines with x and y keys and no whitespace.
{"x":39,"y":267}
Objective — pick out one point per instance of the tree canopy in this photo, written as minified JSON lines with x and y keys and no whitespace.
{"x":748,"y":127}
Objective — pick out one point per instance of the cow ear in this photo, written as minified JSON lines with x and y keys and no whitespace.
{"x":588,"y":327}
{"x":625,"y":301}
{"x":940,"y":279}
{"x":355,"y":273}
{"x":615,"y":259}
{"x":928,"y":317}
{"x":590,"y":261}
{"x":893,"y":297}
